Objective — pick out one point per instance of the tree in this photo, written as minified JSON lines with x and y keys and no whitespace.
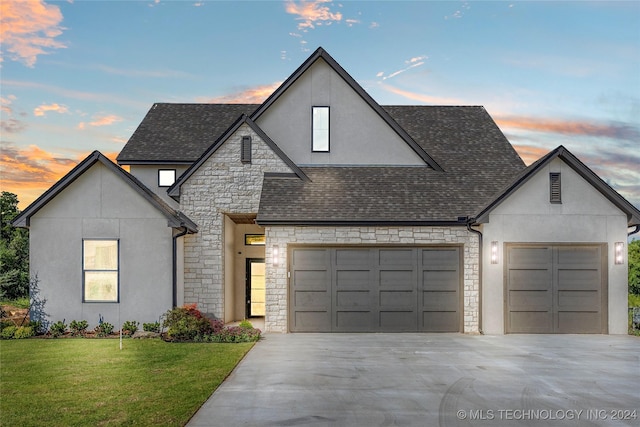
{"x":14,"y":251}
{"x":634,"y":267}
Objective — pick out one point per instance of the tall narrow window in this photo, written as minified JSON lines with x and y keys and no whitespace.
{"x":245,"y":155}
{"x":166,"y":177}
{"x":100,"y":266}
{"x":320,"y":129}
{"x":555,"y":194}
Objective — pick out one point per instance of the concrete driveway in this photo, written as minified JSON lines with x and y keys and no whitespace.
{"x":431,"y":380}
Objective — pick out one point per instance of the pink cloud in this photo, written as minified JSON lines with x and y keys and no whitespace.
{"x":42,"y":110}
{"x":101,"y":120}
{"x":29,"y":29}
{"x":422,"y":97}
{"x":312,"y":13}
{"x":254,"y":95}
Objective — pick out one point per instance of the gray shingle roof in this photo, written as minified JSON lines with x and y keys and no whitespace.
{"x":180,"y":133}
{"x":476,"y":157}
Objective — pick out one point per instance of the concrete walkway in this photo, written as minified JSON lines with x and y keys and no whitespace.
{"x":431,"y":380}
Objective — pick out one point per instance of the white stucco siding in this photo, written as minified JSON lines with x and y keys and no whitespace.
{"x":148,"y":175}
{"x":358,"y":135}
{"x":100,"y":205}
{"x":527,"y":216}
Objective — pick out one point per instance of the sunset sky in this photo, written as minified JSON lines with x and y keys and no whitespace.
{"x":80,"y":75}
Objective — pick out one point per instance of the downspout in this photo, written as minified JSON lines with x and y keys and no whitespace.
{"x":175,"y":262}
{"x":634,"y":231}
{"x":480,"y":295}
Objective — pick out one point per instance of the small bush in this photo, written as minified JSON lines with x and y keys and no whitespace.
{"x":104,"y":329}
{"x":235,"y":334}
{"x":58,"y":328}
{"x":23,"y":332}
{"x":78,"y":327}
{"x":246,"y":324}
{"x":8,"y":332}
{"x":129,"y":327}
{"x":185,"y":323}
{"x":151,"y":327}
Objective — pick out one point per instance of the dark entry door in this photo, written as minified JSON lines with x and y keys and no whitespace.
{"x":255,"y":279}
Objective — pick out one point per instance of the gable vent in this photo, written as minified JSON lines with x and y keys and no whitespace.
{"x":554,"y":186}
{"x":245,"y":150}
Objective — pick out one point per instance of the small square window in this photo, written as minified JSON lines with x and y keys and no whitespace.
{"x":166,"y":177}
{"x":320,"y":129}
{"x":100,"y":270}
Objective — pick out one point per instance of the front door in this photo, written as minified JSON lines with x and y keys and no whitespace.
{"x":255,"y":287}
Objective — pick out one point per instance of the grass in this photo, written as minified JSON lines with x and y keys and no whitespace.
{"x":17,"y":303}
{"x":62,"y":382}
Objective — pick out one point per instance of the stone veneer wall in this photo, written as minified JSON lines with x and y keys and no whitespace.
{"x":223,"y":184}
{"x":276,"y":319}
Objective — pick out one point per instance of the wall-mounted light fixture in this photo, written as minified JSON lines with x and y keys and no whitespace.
{"x":619,"y":252}
{"x":276,"y":254}
{"x":494,"y":252}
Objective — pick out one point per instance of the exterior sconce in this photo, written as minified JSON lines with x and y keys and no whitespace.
{"x":494,"y":252}
{"x":276,"y":255}
{"x":619,"y":252}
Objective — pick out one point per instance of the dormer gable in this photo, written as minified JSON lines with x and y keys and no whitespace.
{"x":320,"y":98}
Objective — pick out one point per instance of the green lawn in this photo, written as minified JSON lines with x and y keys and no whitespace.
{"x":64,"y":382}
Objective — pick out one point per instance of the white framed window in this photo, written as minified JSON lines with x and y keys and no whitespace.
{"x":166,"y":177}
{"x":320,"y":129}
{"x":100,"y":270}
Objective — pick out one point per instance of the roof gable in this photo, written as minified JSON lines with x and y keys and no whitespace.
{"x":320,"y":55}
{"x":174,"y":190}
{"x":633,"y":214}
{"x":175,"y":218}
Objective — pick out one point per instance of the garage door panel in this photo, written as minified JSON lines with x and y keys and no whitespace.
{"x":585,"y":300}
{"x":441,"y":280}
{"x":397,"y":279}
{"x":397,"y":298}
{"x":440,"y":301}
{"x":579,"y":279}
{"x":349,"y":279}
{"x":360,"y":298}
{"x":532,"y":299}
{"x":579,"y":322}
{"x":442,"y":258}
{"x":529,"y":279}
{"x":376,"y":289}
{"x":354,"y":321}
{"x":397,"y":321}
{"x":346,"y":257}
{"x":536,"y":322}
{"x":529,"y":256}
{"x":396,"y":257}
{"x":578,"y":255}
{"x":311,"y":321}
{"x":440,"y":321}
{"x":568,"y":295}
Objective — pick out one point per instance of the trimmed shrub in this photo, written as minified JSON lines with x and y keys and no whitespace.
{"x":129,"y":327}
{"x":8,"y":332}
{"x":104,"y":329}
{"x":23,"y":332}
{"x":78,"y":327}
{"x":246,"y":324}
{"x":151,"y":327}
{"x":185,"y":323}
{"x":58,"y":328}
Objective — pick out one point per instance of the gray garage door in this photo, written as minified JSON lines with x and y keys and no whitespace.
{"x":556,"y":289}
{"x":358,"y":289}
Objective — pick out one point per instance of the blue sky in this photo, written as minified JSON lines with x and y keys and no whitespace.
{"x":80,"y":75}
